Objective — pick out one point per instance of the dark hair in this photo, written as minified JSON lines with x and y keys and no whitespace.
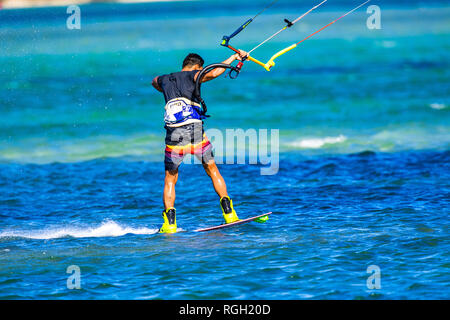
{"x":192,"y":59}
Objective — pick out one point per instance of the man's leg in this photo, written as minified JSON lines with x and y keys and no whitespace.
{"x":169,"y":214}
{"x":213,"y":172}
{"x":229,"y":214}
{"x":205,"y":153}
{"x":169,"y":188}
{"x":176,"y":139}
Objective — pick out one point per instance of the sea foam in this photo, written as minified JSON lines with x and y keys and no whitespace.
{"x":106,"y":229}
{"x":437,"y":106}
{"x":316,"y":143}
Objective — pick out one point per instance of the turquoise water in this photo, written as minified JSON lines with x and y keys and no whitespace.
{"x":363,"y":120}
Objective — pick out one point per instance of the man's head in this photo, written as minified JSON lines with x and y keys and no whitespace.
{"x":193,"y":61}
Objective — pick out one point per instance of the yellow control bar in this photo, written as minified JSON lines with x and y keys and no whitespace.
{"x":259,"y":62}
{"x":271,"y":62}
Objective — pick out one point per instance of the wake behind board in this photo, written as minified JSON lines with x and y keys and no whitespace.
{"x":227,"y":225}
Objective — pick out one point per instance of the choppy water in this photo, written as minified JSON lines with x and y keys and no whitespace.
{"x":364,"y":156}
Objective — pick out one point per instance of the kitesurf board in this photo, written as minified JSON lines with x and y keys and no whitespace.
{"x":232,"y":224}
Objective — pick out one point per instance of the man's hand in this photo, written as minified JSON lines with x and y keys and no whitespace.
{"x":241,"y":55}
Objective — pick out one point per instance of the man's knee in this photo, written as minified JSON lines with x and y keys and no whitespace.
{"x":171,"y":176}
{"x":210,"y":167}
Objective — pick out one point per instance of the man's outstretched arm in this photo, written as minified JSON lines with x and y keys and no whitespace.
{"x":218,"y":71}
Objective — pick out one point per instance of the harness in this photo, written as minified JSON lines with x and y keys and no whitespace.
{"x":179,"y":110}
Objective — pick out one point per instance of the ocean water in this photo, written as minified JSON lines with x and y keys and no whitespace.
{"x":364,"y":150}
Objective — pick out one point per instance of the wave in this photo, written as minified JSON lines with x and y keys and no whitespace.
{"x":316,"y":143}
{"x":106,"y":229}
{"x":392,"y":138}
{"x":438,"y":106}
{"x":41,"y":151}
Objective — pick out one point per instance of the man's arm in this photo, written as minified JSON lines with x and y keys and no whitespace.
{"x":218,"y":71}
{"x":156,"y":85}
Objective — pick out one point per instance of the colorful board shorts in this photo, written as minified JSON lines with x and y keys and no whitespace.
{"x":187,"y":139}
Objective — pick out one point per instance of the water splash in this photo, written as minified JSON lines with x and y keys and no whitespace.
{"x":106,"y":229}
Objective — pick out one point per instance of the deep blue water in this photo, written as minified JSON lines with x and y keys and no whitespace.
{"x":364,"y":142}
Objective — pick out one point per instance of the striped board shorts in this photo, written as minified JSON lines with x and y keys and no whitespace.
{"x":183,"y":140}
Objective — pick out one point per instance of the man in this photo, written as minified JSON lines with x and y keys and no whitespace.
{"x":185,"y":134}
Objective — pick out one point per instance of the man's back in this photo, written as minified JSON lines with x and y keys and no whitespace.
{"x":178,"y":85}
